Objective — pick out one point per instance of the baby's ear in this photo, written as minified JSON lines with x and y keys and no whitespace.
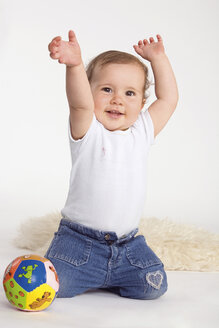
{"x":143,"y":103}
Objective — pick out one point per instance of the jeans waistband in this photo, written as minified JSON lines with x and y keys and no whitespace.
{"x":109,"y":237}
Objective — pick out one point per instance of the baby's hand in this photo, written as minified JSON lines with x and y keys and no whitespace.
{"x":150,"y":50}
{"x":67,"y":52}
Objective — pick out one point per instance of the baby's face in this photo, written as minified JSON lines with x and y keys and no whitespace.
{"x":118,"y":87}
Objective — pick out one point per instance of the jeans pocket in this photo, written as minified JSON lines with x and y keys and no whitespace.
{"x":140,"y":254}
{"x":70,"y":246}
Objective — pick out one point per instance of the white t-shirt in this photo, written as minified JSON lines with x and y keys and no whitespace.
{"x":108,"y":179}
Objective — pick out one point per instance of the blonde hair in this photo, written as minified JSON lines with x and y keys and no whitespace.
{"x":118,"y":57}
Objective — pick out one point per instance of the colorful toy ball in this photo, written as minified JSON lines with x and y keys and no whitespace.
{"x":31,"y":283}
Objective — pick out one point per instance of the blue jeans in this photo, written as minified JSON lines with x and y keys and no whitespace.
{"x":87,"y":259}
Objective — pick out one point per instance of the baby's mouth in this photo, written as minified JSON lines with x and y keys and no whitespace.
{"x":114,"y":114}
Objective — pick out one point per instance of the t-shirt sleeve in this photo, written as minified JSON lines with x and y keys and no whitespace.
{"x":149,"y":126}
{"x":76,"y":144}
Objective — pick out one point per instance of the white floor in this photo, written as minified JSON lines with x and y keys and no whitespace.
{"x":191,"y":301}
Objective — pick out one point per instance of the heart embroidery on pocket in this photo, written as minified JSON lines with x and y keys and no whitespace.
{"x":155,"y":279}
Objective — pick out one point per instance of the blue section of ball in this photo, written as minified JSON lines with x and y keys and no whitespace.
{"x":30,"y":274}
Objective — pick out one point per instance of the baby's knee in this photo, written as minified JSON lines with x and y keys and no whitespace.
{"x":150,"y":285}
{"x":155,"y":284}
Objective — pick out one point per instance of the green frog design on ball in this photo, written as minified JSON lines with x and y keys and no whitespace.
{"x":29,"y":269}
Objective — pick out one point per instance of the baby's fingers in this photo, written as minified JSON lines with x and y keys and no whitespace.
{"x":56,"y":40}
{"x":140,"y":44}
{"x":55,"y":55}
{"x":71,"y":36}
{"x":53,"y":46}
{"x":137,"y":49}
{"x":54,"y":50}
{"x":159,"y":38}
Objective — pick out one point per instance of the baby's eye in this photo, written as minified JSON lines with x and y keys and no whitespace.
{"x":130,"y":93}
{"x":107,"y":89}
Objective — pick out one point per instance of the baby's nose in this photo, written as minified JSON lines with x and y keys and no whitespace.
{"x":116,"y":99}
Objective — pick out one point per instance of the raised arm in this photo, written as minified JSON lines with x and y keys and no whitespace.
{"x":165,"y":83}
{"x":78,"y":90}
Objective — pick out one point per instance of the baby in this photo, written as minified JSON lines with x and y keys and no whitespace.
{"x":110,"y":137}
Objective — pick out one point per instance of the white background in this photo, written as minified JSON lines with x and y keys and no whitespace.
{"x":35,"y":158}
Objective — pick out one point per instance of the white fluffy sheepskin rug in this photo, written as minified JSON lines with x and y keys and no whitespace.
{"x":179,"y":246}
